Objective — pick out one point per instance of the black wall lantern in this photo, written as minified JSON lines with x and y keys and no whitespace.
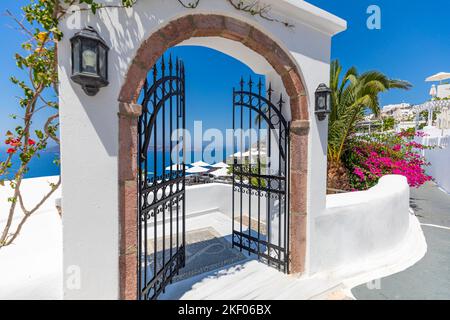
{"x":323,"y":101}
{"x":89,"y":61}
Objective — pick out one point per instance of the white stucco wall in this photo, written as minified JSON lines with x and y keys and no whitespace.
{"x":443,"y":91}
{"x":357,"y":226}
{"x":439,"y":157}
{"x":218,"y":197}
{"x":89,"y":125}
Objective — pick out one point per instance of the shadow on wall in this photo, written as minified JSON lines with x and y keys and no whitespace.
{"x":413,"y":204}
{"x":125,"y":35}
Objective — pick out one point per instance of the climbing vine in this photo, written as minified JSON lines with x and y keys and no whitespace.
{"x":253,"y":7}
{"x":37,"y":61}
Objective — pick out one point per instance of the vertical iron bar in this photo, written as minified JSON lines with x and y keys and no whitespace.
{"x":146,"y":164}
{"x":155,"y":177}
{"x":184,"y":163}
{"x":241,"y":164}
{"x":250,"y":187}
{"x":146,"y":159}
{"x":269,"y":182}
{"x":139,"y":221}
{"x":163,"y":88}
{"x":280,"y":107}
{"x":234,"y":168}
{"x":259,"y":164}
{"x":288,"y":193}
{"x":285,"y":188}
{"x":144,"y":126}
{"x":178,"y":148}
{"x":170,"y":157}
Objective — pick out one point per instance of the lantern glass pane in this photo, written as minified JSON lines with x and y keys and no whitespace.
{"x":102,"y":61}
{"x":322,"y":102}
{"x":76,"y":56}
{"x":89,"y":56}
{"x":329,"y":101}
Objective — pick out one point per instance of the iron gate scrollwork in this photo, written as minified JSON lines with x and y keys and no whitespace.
{"x":161,"y":198}
{"x":260,"y":206}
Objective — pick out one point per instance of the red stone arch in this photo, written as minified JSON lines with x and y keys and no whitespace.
{"x":179,"y":30}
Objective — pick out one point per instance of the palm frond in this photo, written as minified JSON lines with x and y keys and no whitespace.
{"x":352,"y":95}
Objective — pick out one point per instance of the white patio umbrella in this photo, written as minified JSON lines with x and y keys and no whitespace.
{"x":247,"y":153}
{"x":438,"y":77}
{"x":200,"y":164}
{"x":175,"y":167}
{"x":220,"y":165}
{"x":222,"y":172}
{"x":197,"y":170}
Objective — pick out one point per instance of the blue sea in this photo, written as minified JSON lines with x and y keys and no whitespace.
{"x":191,"y":157}
{"x":45,"y":166}
{"x":39,"y":166}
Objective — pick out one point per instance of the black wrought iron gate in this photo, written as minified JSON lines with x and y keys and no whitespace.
{"x":161,"y":182}
{"x":261,"y":174}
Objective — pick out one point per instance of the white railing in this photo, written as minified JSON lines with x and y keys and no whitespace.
{"x":439,"y":158}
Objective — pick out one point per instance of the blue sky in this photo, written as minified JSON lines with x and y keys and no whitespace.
{"x":412,"y":44}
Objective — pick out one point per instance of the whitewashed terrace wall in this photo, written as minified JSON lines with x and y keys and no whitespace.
{"x":217,"y":197}
{"x":359,"y":225}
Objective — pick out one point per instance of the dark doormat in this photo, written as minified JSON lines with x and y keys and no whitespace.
{"x":206,"y":250}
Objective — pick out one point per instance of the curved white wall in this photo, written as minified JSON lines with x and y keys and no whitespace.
{"x":356,"y":226}
{"x":217,"y":197}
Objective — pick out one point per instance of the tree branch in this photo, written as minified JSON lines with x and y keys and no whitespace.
{"x":47,"y":130}
{"x":28,"y":214}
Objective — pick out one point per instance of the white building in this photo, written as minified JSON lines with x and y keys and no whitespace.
{"x":400,"y":112}
{"x":443,"y":91}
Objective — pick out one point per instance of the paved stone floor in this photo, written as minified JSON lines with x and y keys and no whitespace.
{"x":430,"y":277}
{"x":206,"y":250}
{"x":230,"y":274}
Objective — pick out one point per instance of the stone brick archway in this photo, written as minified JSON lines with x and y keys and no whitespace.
{"x":204,"y":25}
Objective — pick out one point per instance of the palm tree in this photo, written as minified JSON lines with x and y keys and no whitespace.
{"x":351,"y":97}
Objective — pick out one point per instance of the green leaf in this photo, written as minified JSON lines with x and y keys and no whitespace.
{"x":12,"y":199}
{"x":39,"y":134}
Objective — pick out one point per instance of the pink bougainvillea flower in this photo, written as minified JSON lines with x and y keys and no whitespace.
{"x":421,"y":134}
{"x":396,"y":154}
{"x":359,"y":173}
{"x":11,"y":150}
{"x":31,"y":142}
{"x":416,"y":145}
